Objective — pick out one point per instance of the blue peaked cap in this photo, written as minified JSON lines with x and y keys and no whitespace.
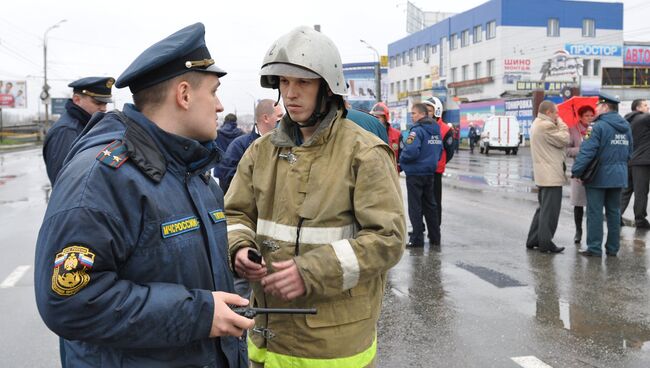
{"x":607,"y":98}
{"x":98,"y":88}
{"x":182,"y":52}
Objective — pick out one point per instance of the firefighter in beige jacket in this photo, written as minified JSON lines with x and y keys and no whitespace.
{"x":320,"y":200}
{"x":548,"y":140}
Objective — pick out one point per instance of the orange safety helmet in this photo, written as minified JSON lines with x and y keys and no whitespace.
{"x":380,"y":108}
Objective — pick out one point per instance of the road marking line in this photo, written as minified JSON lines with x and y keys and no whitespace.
{"x":530,"y":362}
{"x":13,"y":277}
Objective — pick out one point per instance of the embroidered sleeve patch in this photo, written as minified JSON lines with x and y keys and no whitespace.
{"x":217,"y":216}
{"x":113,"y":155}
{"x":70,"y":269}
{"x":411,"y":137}
{"x":181,"y":226}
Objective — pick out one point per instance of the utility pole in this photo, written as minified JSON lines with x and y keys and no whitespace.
{"x":45,"y":94}
{"x":377,"y":71}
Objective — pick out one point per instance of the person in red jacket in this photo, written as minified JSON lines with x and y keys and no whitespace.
{"x":434,"y":106}
{"x":381,"y":112}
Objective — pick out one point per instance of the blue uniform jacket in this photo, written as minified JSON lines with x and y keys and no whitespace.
{"x":422,"y":149}
{"x":611,"y":140}
{"x":60,"y":137}
{"x":228,"y":166}
{"x":128,"y":255}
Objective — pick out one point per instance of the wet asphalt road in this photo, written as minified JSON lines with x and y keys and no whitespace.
{"x":479,"y":300}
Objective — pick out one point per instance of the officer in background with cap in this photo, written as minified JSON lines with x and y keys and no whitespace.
{"x":611,"y":143}
{"x":89,"y":95}
{"x":131,"y":260}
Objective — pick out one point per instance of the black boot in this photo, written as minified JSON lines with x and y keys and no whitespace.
{"x":578,"y":237}
{"x":577,"y":217}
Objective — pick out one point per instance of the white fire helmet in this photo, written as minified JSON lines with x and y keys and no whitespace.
{"x":304,"y":53}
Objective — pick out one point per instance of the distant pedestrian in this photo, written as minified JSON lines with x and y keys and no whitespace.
{"x":419,"y":160}
{"x":456,"y":138}
{"x":472,"y":136}
{"x":267,"y":115}
{"x":381,"y":112}
{"x":549,"y":138}
{"x":228,"y":132}
{"x":578,"y":195}
{"x":89,"y":95}
{"x":610,"y":141}
{"x":638,"y":172}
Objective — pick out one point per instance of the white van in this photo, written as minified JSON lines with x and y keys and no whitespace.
{"x":502,"y":133}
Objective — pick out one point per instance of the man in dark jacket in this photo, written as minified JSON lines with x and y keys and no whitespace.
{"x":611,"y":143}
{"x":638,"y":177}
{"x":228,"y":132}
{"x":266,"y":117}
{"x":472,"y":137}
{"x":131,"y":263}
{"x":419,"y":160}
{"x":89,"y":95}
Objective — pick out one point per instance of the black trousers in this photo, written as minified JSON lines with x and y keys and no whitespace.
{"x":641,"y":176}
{"x":421,"y":202}
{"x":437,"y":194}
{"x":626,"y":194}
{"x":544,"y":224}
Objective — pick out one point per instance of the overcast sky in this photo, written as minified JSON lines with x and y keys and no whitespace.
{"x":103,"y":38}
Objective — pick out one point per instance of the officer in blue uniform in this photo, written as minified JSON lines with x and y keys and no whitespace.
{"x":131,"y":260}
{"x":89,"y":95}
{"x":419,"y":161}
{"x":610,"y":142}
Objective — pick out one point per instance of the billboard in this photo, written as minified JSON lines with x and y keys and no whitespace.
{"x":593,"y":50}
{"x":522,"y":109}
{"x":477,"y":113}
{"x":636,"y":56}
{"x":13,"y":94}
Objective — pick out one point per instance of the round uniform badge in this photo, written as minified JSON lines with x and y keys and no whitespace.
{"x":70,"y":270}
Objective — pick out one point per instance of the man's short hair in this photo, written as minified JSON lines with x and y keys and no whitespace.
{"x":230,"y":118}
{"x":264,"y":107}
{"x":156,"y":94}
{"x":546,"y":106}
{"x":612,"y":106}
{"x":422,"y":108}
{"x":636,"y":103}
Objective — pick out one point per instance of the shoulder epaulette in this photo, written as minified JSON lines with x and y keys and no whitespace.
{"x":113,"y":155}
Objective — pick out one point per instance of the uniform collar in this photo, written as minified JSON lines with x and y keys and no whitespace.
{"x":287,"y":134}
{"x":183,"y":154}
{"x":77,"y":112}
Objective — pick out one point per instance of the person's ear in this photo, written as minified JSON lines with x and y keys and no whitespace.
{"x":183,"y":95}
{"x":76,"y":99}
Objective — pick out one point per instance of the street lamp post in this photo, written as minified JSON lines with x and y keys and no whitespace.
{"x":45,"y":94}
{"x":377,"y":71}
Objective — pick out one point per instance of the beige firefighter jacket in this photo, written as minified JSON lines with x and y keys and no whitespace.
{"x":340,"y":191}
